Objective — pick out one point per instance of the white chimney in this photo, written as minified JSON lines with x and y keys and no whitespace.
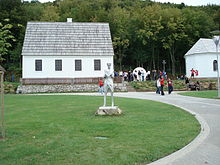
{"x":69,"y":20}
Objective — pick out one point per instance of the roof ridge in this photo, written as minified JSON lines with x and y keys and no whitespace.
{"x":69,"y":22}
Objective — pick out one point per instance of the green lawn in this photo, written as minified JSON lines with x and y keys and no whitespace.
{"x":211,"y":94}
{"x":62,"y":130}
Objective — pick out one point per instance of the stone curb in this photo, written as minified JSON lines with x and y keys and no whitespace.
{"x":205,"y":130}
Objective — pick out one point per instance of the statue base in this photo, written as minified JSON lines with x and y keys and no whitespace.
{"x":109,"y":111}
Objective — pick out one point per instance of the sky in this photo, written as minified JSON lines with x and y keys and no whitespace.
{"x":187,"y":2}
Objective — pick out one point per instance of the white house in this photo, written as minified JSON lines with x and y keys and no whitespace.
{"x":64,"y":52}
{"x":202,"y":57}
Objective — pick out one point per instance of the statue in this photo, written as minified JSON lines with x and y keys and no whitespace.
{"x":108,"y":84}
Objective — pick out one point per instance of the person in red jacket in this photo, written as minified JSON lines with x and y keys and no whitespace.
{"x":101,"y":84}
{"x":161,"y":85}
{"x":192,"y":73}
{"x":170,"y":85}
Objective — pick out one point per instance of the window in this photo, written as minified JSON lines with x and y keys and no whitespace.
{"x":78,"y":65}
{"x":58,"y":65}
{"x":38,"y":65}
{"x":97,"y":64}
{"x":215,"y":65}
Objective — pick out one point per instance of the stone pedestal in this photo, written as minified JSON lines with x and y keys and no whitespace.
{"x":108,"y":111}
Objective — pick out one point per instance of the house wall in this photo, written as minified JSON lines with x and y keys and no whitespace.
{"x":201,"y":62}
{"x":68,"y":66}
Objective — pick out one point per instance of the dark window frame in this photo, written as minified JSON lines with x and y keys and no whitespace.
{"x":38,"y":65}
{"x":215,"y":65}
{"x":97,"y":65}
{"x":78,"y":65}
{"x":58,"y":65}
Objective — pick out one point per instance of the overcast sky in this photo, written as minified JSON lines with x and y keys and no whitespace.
{"x":187,"y":2}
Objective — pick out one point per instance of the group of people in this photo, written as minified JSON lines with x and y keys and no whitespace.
{"x":130,"y":76}
{"x":160,"y":82}
{"x":140,"y":75}
{"x":160,"y":85}
{"x":192,"y":85}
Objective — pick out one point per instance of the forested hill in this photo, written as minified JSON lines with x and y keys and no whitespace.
{"x":143,"y":32}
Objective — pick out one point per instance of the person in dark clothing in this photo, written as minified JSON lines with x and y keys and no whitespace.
{"x":187,"y":83}
{"x":170,"y":85}
{"x":129,"y":76}
{"x":197,"y":84}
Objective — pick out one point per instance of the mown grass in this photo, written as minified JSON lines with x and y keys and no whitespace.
{"x":211,"y":94}
{"x":62,"y":130}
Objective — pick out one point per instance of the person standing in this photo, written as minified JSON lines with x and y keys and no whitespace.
{"x":170,"y":85}
{"x":192,"y":73}
{"x":142,"y":75}
{"x":154,"y":72}
{"x":101,"y":84}
{"x":162,"y":85}
{"x":139,"y":75}
{"x":158,"y":86}
{"x":129,"y":76}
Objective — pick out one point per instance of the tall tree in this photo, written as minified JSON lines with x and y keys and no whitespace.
{"x":173,"y":32}
{"x":50,"y":14}
{"x":119,"y":21}
{"x":120,"y":45}
{"x":149,"y":32}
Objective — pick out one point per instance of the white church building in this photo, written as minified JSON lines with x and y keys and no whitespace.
{"x":202,"y":57}
{"x":65,"y":52}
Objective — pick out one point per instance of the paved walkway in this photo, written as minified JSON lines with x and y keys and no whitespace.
{"x":205,"y":149}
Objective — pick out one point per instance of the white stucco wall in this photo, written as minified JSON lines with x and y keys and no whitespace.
{"x":68,"y":66}
{"x":201,"y":62}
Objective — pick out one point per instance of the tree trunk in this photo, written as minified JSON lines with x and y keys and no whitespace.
{"x":153,"y":59}
{"x":120,"y":65}
{"x":173,"y":61}
{"x":158,"y":60}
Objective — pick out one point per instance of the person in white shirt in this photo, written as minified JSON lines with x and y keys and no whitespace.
{"x":158,"y":86}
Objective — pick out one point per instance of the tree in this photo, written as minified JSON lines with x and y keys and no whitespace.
{"x":33,"y":11}
{"x":5,"y":38}
{"x":173,"y":32}
{"x":119,"y":23}
{"x":120,"y":45}
{"x":197,"y":24}
{"x":149,"y":32}
{"x":217,"y":18}
{"x":50,"y":14}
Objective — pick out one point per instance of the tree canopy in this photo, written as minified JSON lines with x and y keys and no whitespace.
{"x":143,"y":32}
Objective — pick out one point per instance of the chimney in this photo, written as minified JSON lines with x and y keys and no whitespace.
{"x":69,"y":20}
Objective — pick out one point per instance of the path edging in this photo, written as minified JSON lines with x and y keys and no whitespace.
{"x":205,"y":130}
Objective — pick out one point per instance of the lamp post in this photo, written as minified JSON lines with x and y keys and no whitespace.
{"x":216,"y":40}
